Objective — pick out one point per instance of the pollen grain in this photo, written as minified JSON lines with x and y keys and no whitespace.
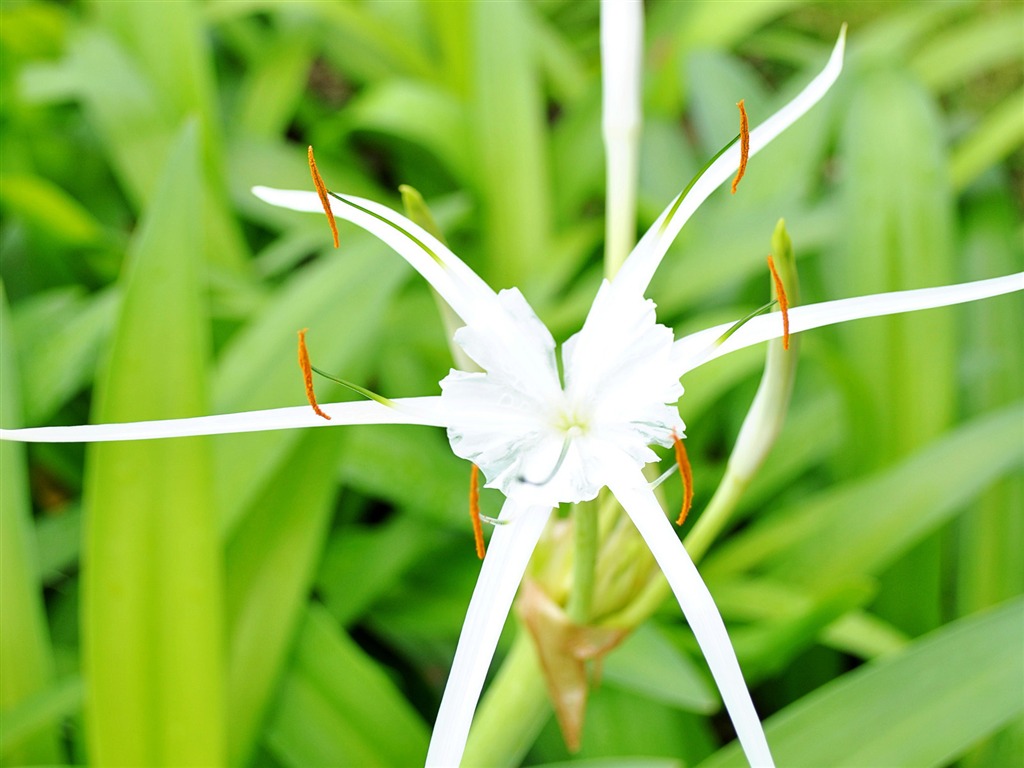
{"x":474,"y":510}
{"x":686,"y":473}
{"x":307,"y":374}
{"x":321,"y":189}
{"x":744,"y":145}
{"x":780,"y":290}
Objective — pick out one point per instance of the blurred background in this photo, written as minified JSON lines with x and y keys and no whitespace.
{"x":294,"y":599}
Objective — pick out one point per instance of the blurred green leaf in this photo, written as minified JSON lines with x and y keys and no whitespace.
{"x":511,"y":152}
{"x":898,"y":196}
{"x":270,"y":561}
{"x":848,"y":532}
{"x":923,"y":707}
{"x":999,"y":133}
{"x":337,"y":707}
{"x":967,"y":49}
{"x":26,"y":658}
{"x":64,"y":332}
{"x":151,"y":572}
{"x":363,"y":563}
{"x":58,"y":542}
{"x":30,"y":729}
{"x":340,"y":299}
{"x":50,"y":208}
{"x":274,"y":84}
{"x":440,"y":124}
{"x":649,"y":665}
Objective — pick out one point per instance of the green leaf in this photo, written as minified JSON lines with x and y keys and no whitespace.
{"x":988,"y":539}
{"x":36,"y":721}
{"x":898,"y":194}
{"x":647,"y":664}
{"x":1000,"y":132}
{"x":440,"y":124}
{"x":337,"y":707}
{"x":970,"y":47}
{"x":26,"y":657}
{"x":270,"y":562}
{"x":847,"y":532}
{"x":922,"y":707}
{"x":341,"y":300}
{"x":511,"y":149}
{"x":59,"y":542}
{"x":151,"y":571}
{"x":364,"y":563}
{"x":50,"y":209}
{"x":63,"y":334}
{"x":274,"y":82}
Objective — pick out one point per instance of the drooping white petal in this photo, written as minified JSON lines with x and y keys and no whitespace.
{"x":503,"y":567}
{"x":639,"y":268}
{"x":622,"y":32}
{"x":632,"y":491}
{"x":415,"y":410}
{"x":700,"y":347}
{"x":467,"y":294}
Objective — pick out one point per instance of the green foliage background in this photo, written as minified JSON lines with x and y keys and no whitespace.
{"x":293,"y":599}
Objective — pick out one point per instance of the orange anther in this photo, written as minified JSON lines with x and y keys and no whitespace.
{"x":744,"y":145}
{"x":686,"y":473}
{"x":780,"y":291}
{"x":474,"y":510}
{"x":321,"y":189}
{"x":307,"y":374}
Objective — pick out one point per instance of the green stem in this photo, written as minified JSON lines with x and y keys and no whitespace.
{"x":698,"y":541}
{"x":585,"y":525}
{"x":512,"y":713}
{"x":715,"y":517}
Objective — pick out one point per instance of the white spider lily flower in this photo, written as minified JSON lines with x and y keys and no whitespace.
{"x":543,"y":442}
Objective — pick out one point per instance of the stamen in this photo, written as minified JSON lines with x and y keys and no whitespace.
{"x":307,"y":374}
{"x":355,"y":388}
{"x":780,"y":291}
{"x":744,"y":145}
{"x":740,"y":323}
{"x":321,"y":189}
{"x":686,"y":474}
{"x":474,"y":510}
{"x":558,"y":466}
{"x":663,"y":477}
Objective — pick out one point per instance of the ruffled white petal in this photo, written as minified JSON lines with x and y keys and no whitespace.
{"x":467,"y":294}
{"x":417,"y":410}
{"x":516,"y":347}
{"x":632,"y":491}
{"x":642,"y":263}
{"x":621,"y":356}
{"x":503,"y":567}
{"x":698,"y":348}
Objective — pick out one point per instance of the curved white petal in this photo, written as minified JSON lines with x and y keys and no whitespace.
{"x":467,"y":294}
{"x":503,"y":567}
{"x":639,"y":268}
{"x":698,"y":348}
{"x":414,"y":410}
{"x":631,"y":489}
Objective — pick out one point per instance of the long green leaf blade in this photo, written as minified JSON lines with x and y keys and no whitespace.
{"x":923,"y":707}
{"x":151,"y":571}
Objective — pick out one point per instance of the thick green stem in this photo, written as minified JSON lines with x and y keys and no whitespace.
{"x":512,"y":713}
{"x":585,"y":524}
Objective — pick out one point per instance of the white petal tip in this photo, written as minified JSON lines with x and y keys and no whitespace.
{"x":293,"y":199}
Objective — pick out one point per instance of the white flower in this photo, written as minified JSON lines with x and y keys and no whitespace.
{"x":542,"y":441}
